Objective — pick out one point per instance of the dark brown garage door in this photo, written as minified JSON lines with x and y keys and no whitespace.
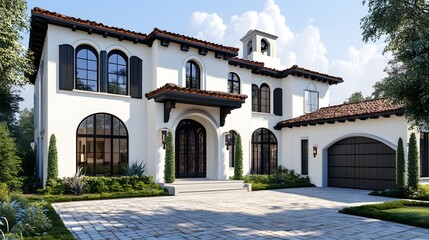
{"x":361,"y":162}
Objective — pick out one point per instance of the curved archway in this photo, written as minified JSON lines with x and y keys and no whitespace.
{"x":264,"y":151}
{"x":102,"y":145}
{"x":190,"y":149}
{"x":361,"y":162}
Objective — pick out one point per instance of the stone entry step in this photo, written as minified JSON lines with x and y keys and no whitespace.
{"x":198,"y":185}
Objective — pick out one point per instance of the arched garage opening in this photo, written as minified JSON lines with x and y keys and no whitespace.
{"x":361,"y":162}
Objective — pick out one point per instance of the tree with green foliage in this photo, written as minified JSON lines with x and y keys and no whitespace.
{"x":52,"y":159}
{"x":400,"y":164}
{"x":15,"y":60}
{"x":404,"y":23}
{"x":413,"y":163}
{"x":238,"y":159}
{"x":169,"y":174}
{"x":356,"y":97}
{"x":24,"y":137}
{"x":10,"y":163}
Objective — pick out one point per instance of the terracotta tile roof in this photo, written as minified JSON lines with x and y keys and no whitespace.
{"x":175,"y":88}
{"x":162,"y":33}
{"x":345,"y":112}
{"x":295,"y":70}
{"x":46,"y":13}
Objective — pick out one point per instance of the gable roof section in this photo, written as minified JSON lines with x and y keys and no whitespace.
{"x":372,"y":109}
{"x":295,"y":70}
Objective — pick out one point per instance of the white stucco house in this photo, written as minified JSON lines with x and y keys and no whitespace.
{"x":108,"y":94}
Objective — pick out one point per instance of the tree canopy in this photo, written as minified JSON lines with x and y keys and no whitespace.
{"x":404,"y":24}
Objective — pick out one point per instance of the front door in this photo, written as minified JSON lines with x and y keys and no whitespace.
{"x":190,"y":150}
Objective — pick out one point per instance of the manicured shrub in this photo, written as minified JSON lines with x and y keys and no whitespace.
{"x":52,"y":158}
{"x":238,"y":160}
{"x":400,"y":164}
{"x":413,"y":163}
{"x":10,"y":163}
{"x":169,"y":175}
{"x":118,"y":184}
{"x":55,"y":187}
{"x":4,"y":192}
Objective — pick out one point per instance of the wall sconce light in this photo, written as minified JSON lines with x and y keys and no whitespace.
{"x":228,"y":140}
{"x":164,"y":137}
{"x":314,"y":151}
{"x":33,"y":146}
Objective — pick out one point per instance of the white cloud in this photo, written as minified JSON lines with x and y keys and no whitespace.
{"x":360,"y":69}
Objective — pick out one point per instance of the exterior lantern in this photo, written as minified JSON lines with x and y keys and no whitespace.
{"x":228,"y":140}
{"x":164,"y":137}
{"x":314,"y":151}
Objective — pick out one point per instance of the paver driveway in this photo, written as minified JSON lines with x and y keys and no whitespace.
{"x":304,"y":213}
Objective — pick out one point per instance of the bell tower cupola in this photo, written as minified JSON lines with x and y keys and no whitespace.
{"x":260,"y":46}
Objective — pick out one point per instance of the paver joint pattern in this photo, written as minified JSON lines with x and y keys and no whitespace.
{"x":303,"y":213}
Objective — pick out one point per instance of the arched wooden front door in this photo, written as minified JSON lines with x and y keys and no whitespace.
{"x":190,"y":150}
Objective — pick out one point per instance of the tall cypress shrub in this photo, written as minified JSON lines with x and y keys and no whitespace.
{"x":413,"y":163}
{"x":10,"y":163}
{"x":238,"y":160}
{"x":169,"y":175}
{"x":52,"y":159}
{"x":400,"y":164}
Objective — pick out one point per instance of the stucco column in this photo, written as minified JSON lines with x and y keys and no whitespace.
{"x":223,"y":158}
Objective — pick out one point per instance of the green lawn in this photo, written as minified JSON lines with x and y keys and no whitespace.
{"x":406,"y":212}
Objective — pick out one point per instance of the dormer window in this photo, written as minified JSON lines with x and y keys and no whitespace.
{"x":311,"y":101}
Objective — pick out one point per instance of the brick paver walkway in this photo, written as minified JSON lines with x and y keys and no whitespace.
{"x":304,"y":213}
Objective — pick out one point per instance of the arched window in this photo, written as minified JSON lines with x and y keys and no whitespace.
{"x":264,"y":151}
{"x":232,"y":147}
{"x":233,"y":83}
{"x":255,"y":98}
{"x":265,"y":47}
{"x":265,"y":98}
{"x":86,"y":68}
{"x":102,"y":145}
{"x":192,"y":75}
{"x":118,"y":73}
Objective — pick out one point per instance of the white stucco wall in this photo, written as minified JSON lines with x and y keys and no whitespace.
{"x":385,"y":130}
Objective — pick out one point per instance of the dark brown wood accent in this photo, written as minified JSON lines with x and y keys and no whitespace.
{"x":304,"y":157}
{"x":278,"y":101}
{"x":66,"y":67}
{"x":136,"y":77}
{"x":165,"y":42}
{"x":203,"y":51}
{"x":190,"y":150}
{"x":361,"y":162}
{"x":184,"y":47}
{"x":103,"y":71}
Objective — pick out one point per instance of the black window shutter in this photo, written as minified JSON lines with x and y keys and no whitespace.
{"x":103,"y":71}
{"x":304,"y":157}
{"x":66,"y":67}
{"x":136,"y":76}
{"x":278,"y":101}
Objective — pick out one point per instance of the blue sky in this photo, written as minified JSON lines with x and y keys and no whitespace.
{"x":320,"y":35}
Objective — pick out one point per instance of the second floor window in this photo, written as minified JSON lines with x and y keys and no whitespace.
{"x":192,"y":75}
{"x":311,"y":101}
{"x":233,"y":83}
{"x":86,"y":68}
{"x":118,"y":74}
{"x":265,"y":98}
{"x":255,"y":98}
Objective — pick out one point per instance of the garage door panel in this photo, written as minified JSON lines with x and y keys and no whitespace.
{"x":360,"y":162}
{"x":377,"y":161}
